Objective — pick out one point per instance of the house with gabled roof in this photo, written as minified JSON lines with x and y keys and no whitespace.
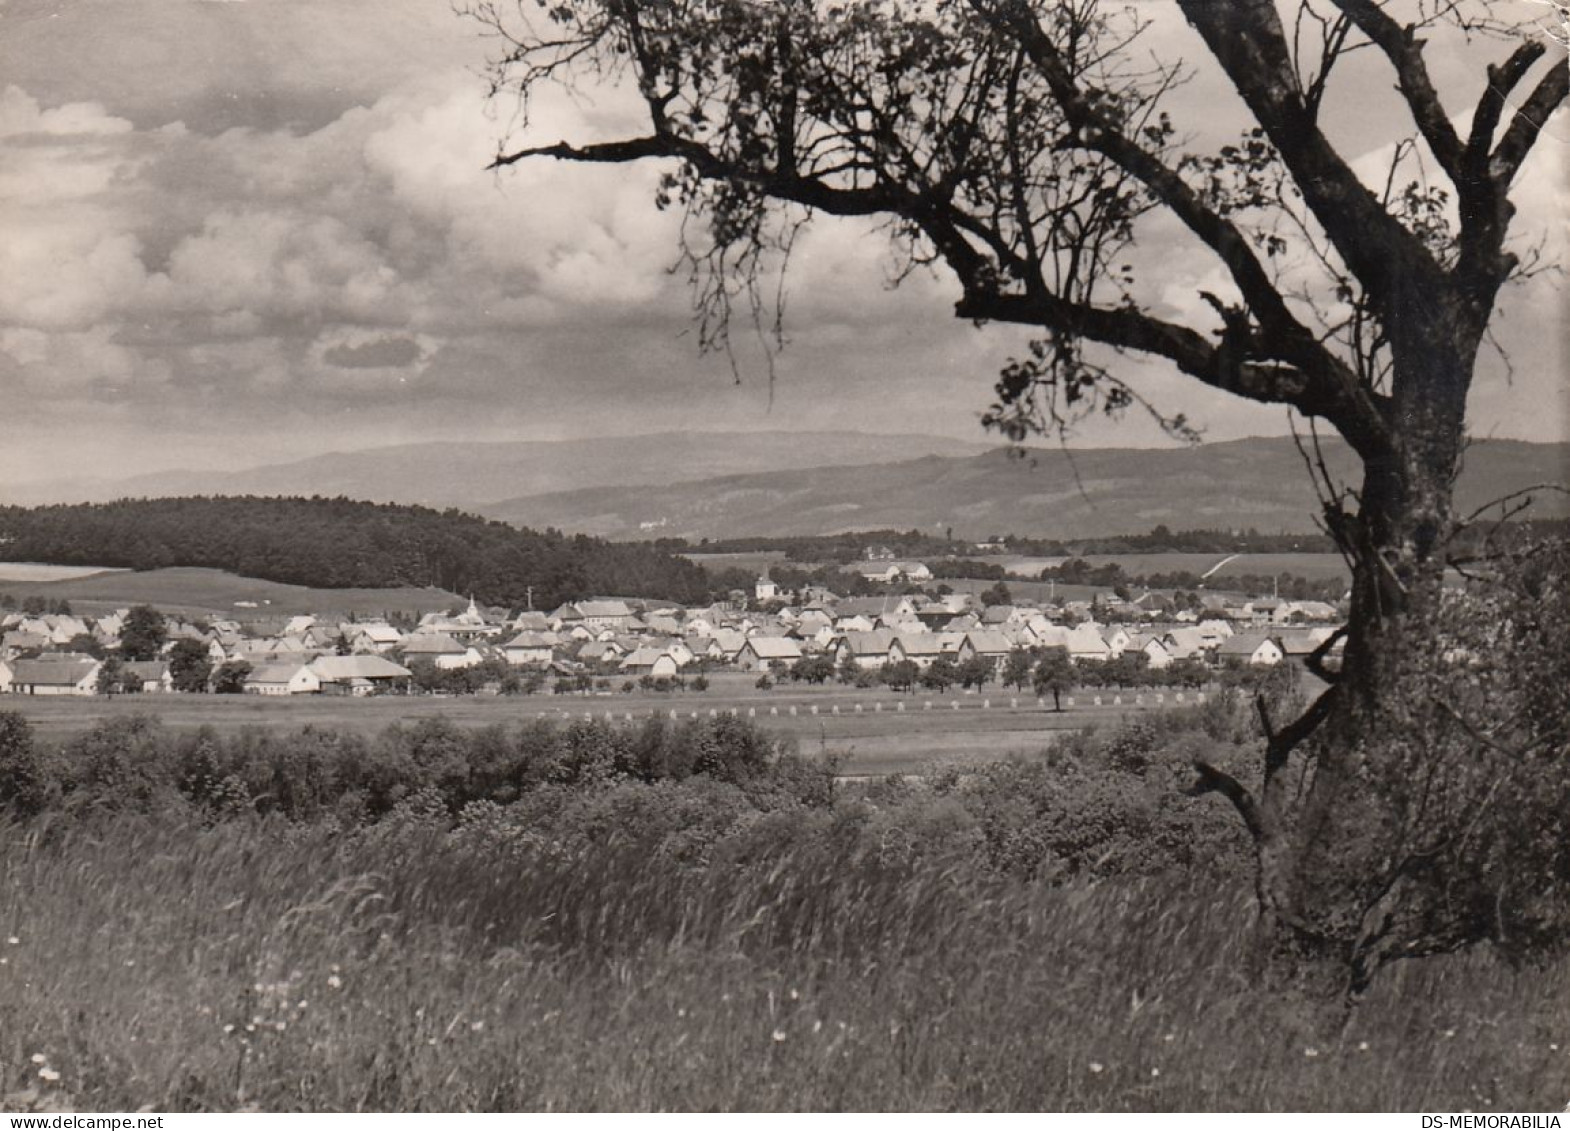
{"x":657,"y":663}
{"x":1154,"y":647}
{"x":148,"y":676}
{"x":441,"y":649}
{"x":291,"y":677}
{"x":358,"y":675}
{"x":1254,"y":648}
{"x":921,"y":648}
{"x":1184,"y":643}
{"x":989,"y":644}
{"x":604,"y":652}
{"x":759,"y":653}
{"x":527,"y":648}
{"x":869,"y":650}
{"x":55,"y":675}
{"x":374,"y":637}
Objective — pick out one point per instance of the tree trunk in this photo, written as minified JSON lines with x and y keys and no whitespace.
{"x":1337,"y":819}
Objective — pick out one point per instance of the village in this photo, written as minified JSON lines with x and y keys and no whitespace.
{"x":811,"y":636}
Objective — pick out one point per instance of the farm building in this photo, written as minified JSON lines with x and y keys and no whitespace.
{"x":58,"y":675}
{"x":358,"y":675}
{"x":55,"y":676}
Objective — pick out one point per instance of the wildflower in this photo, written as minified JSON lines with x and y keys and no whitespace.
{"x":14,"y":941}
{"x":1311,"y":1053}
{"x":228,"y":1028}
{"x":1155,"y":1072}
{"x":130,"y":962}
{"x":682,"y":1012}
{"x":1170,"y":1037}
{"x":476,"y":1026}
{"x":1553,"y":1048}
{"x":281,"y":1025}
{"x":48,"y":1074}
{"x":1097,"y":1067}
{"x":779,"y":1035}
{"x":301,"y":1006}
{"x":794,"y":996}
{"x":1449,"y":1033}
{"x":817,"y":1026}
{"x":1362,"y":1046}
{"x":40,"y":1058}
{"x":333,"y":981}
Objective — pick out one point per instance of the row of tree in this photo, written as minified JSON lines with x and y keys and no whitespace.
{"x":342,"y":543}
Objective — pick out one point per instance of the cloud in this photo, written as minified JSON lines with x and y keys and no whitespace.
{"x":275,"y":225}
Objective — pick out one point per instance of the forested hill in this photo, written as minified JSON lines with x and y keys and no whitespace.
{"x":341,"y":543}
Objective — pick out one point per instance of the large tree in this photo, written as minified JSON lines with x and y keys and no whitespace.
{"x":1024,"y":146}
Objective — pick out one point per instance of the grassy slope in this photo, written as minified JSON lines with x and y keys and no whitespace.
{"x":234,"y":968}
{"x":209,"y":591}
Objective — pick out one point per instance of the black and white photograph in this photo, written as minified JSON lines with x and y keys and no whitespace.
{"x":741,"y":556}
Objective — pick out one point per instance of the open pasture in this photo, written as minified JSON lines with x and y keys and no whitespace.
{"x":33,"y":572}
{"x":191,"y":591}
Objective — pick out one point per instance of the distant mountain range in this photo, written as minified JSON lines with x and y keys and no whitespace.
{"x":1050,"y":493}
{"x":718,"y":485}
{"x":467,"y":475}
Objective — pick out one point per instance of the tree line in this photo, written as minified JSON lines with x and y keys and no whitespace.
{"x":337,"y":543}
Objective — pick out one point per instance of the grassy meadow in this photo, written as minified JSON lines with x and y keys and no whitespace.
{"x":693,"y":914}
{"x":191,"y":591}
{"x":268,"y":967}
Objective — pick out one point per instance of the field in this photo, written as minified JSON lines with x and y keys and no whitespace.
{"x":210,"y":592}
{"x":889,"y":734}
{"x":1314,"y":567}
{"x":31,"y":572}
{"x":166,"y":967}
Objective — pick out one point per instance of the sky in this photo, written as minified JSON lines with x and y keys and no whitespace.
{"x":239,"y":232}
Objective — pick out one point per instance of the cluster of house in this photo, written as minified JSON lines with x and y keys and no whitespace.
{"x":302,"y":655}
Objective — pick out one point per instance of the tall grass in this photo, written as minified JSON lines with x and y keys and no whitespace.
{"x":413,"y":966}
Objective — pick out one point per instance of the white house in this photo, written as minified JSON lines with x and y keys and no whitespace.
{"x":151,"y":676}
{"x":74,"y":676}
{"x":292,"y":678}
{"x":870,"y":650}
{"x":759,"y":652}
{"x":989,"y":644}
{"x":441,"y":649}
{"x":655,"y":662}
{"x":527,"y":648}
{"x":1252,"y":648}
